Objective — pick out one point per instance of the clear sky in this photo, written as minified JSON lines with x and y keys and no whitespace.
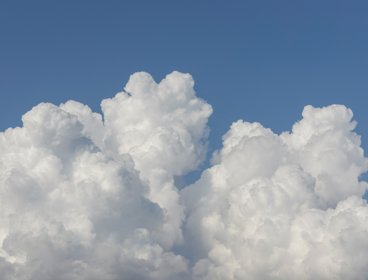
{"x":255,"y":60}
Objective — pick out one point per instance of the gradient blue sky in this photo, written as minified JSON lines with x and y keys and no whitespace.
{"x":256,"y":60}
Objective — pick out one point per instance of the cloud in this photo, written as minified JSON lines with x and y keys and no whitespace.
{"x":283,"y":206}
{"x":93,"y":196}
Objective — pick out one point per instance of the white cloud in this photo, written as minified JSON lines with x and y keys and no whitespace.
{"x":282,"y":207}
{"x":163,"y":127}
{"x":87,"y":199}
{"x":90,"y":196}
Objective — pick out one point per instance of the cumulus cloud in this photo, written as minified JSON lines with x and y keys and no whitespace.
{"x":93,"y":196}
{"x":283,"y":206}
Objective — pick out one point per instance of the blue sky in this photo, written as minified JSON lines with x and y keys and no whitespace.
{"x":83,"y":200}
{"x":255,"y":60}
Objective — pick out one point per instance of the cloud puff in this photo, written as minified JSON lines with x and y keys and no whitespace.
{"x":283,"y":206}
{"x":93,"y":196}
{"x":89,"y":198}
{"x":163,"y":127}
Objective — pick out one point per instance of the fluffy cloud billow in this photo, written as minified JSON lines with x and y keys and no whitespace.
{"x":283,"y":206}
{"x":93,"y":196}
